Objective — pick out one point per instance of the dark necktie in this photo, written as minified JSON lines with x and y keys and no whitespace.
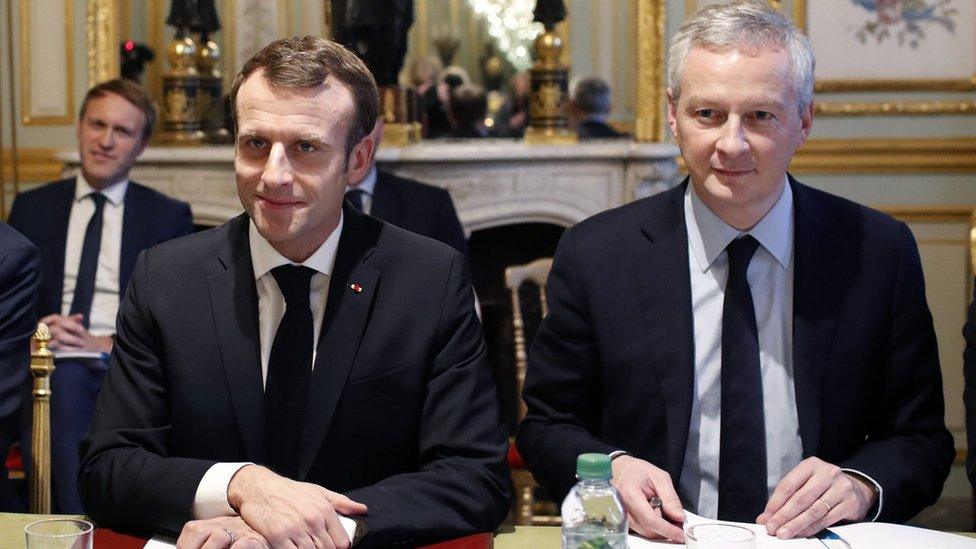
{"x":88,"y":266}
{"x":289,"y":371}
{"x":355,"y":197}
{"x":742,"y":491}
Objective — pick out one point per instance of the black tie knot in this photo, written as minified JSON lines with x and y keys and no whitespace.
{"x":99,"y":200}
{"x":355,"y":197}
{"x":740,"y":253}
{"x":294,"y":282}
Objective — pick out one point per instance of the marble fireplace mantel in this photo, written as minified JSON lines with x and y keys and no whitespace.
{"x":492,"y":182}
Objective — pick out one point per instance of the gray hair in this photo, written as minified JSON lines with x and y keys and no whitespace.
{"x":592,"y":95}
{"x":746,"y":25}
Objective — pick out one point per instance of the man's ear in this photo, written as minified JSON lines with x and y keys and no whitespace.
{"x":806,"y":123}
{"x":360,"y":160}
{"x":673,"y":113}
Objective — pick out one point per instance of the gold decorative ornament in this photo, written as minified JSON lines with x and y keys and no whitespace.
{"x":896,"y":108}
{"x":651,"y":84}
{"x":181,"y":92}
{"x":101,"y":23}
{"x":549,"y":95}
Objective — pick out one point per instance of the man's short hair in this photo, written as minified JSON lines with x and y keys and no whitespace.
{"x":305,"y":63}
{"x":468,"y":105}
{"x":131,"y":92}
{"x":747,"y":25}
{"x":592,"y":95}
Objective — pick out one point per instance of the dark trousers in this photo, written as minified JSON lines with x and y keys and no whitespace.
{"x":74,"y":386}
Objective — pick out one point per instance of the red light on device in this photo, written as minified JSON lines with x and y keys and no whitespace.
{"x":130,"y":45}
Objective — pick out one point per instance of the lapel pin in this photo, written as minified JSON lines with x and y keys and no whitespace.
{"x":356,"y":288}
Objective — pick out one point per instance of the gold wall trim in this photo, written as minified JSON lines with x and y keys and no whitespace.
{"x":951,"y":155}
{"x":883,"y":156}
{"x":649,"y":96}
{"x":25,"y":69}
{"x":35,"y":165}
{"x":101,"y":25}
{"x":900,"y":85}
{"x":896,"y":108}
{"x":923,"y":214}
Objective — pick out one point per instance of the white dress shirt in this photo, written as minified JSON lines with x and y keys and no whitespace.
{"x":368,"y":186}
{"x":211,"y":496}
{"x":105,"y":302}
{"x":770,"y":276}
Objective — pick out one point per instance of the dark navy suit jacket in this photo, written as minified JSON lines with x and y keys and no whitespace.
{"x":419,"y":208}
{"x":20,"y":272}
{"x":401,"y":414}
{"x":41,"y":215}
{"x":612,"y":366}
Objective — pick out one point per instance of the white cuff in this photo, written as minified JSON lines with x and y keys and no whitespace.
{"x":211,"y":497}
{"x":877,"y":489}
{"x":349,"y":526}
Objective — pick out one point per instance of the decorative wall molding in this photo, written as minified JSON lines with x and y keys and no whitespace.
{"x":650,"y":82}
{"x":34,"y":166}
{"x":40,"y":76}
{"x":102,"y":30}
{"x":895,"y":156}
{"x":896,"y":108}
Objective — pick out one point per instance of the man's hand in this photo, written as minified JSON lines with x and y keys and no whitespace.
{"x":638,"y":481}
{"x":813,"y":496}
{"x":289,"y":513}
{"x":220,"y":532}
{"x":69,"y":334}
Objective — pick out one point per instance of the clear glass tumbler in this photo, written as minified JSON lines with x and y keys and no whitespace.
{"x":719,"y":536}
{"x":59,"y":534}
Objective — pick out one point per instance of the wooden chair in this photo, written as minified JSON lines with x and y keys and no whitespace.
{"x":527,"y":510}
{"x":41,"y":368}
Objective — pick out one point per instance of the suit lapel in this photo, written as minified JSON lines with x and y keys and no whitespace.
{"x":386,"y":200}
{"x":57,"y":238}
{"x":665,"y":285}
{"x":817,"y":271}
{"x":233,"y":297}
{"x":346,"y":316}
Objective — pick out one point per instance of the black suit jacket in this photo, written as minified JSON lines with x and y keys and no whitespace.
{"x":969,"y":391}
{"x":401,"y":409}
{"x":20,"y":270}
{"x":41,"y":215}
{"x":595,"y":129}
{"x":612,"y":366}
{"x":418,"y":207}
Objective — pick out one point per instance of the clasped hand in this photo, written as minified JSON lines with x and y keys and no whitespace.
{"x":69,"y":334}
{"x":274,"y":512}
{"x":811,"y":497}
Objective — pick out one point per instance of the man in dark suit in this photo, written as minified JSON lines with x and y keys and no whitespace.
{"x":589,"y":109}
{"x":20,"y":270}
{"x":743,"y":346}
{"x":417,"y":207}
{"x":219,"y":407}
{"x":89,"y":230}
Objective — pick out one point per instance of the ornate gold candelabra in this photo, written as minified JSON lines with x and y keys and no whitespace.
{"x":41,"y":368}
{"x":210,"y":98}
{"x":549,"y":96}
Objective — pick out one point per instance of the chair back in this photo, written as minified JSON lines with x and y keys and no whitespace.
{"x":41,"y":368}
{"x":536,"y":272}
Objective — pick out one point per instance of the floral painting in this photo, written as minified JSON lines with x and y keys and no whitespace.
{"x":905,"y":21}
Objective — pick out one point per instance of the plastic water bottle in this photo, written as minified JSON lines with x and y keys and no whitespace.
{"x":593,"y":515}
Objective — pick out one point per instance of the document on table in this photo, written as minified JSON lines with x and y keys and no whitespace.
{"x":865,"y":535}
{"x":159,"y":542}
{"x":763,"y":540}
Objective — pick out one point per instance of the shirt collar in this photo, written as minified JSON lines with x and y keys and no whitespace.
{"x":709,"y":235}
{"x":367,"y":184}
{"x":264,"y":257}
{"x":115,"y":193}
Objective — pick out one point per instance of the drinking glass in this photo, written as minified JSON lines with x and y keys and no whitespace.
{"x":59,"y":534}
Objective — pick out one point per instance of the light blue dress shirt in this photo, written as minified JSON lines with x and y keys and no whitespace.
{"x":770,"y":276}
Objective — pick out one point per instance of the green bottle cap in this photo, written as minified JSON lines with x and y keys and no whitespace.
{"x":593,"y":467}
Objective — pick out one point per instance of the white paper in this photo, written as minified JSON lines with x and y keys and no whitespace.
{"x":880,"y":535}
{"x":762,"y":538}
{"x":159,"y":542}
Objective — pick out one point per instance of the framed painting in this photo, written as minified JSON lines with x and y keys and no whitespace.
{"x":891,"y":45}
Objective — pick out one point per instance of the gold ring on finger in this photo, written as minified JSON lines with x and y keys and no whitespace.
{"x":829,"y":506}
